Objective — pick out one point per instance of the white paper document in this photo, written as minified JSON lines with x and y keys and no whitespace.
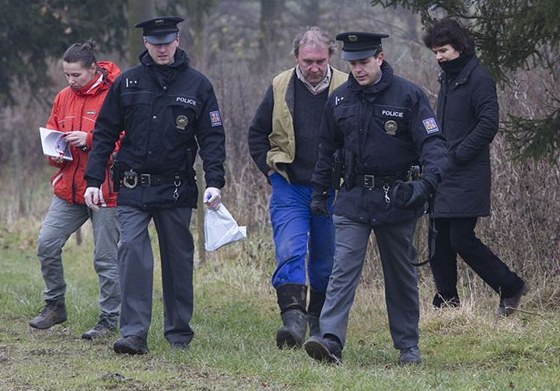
{"x":54,"y":144}
{"x":220,"y":228}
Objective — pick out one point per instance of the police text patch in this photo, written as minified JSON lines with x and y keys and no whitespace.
{"x":430,"y":125}
{"x":215,"y":118}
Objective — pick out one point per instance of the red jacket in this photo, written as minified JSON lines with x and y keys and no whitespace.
{"x":77,"y":110}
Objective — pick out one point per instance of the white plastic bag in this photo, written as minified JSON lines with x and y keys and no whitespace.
{"x":220,"y":228}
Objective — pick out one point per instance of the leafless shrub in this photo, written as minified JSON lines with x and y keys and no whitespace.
{"x":522,"y":229}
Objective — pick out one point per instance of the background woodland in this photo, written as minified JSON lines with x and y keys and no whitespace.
{"x":240,"y":45}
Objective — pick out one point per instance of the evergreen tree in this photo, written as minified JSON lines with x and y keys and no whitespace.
{"x":33,"y":33}
{"x":511,"y":35}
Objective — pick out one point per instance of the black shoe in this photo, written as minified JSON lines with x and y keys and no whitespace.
{"x":442,"y":300}
{"x":292,"y":334}
{"x":410,"y":356}
{"x":324,"y":349}
{"x":131,"y":345}
{"x":180,"y":345}
{"x":509,"y":305}
{"x":100,"y":331}
{"x":52,"y":313}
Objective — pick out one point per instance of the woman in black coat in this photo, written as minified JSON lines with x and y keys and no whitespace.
{"x":467,"y":110}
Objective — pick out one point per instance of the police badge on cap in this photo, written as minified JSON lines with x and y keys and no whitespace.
{"x":160,"y":30}
{"x":357,"y":45}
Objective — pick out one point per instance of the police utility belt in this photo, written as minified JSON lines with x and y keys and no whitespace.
{"x":131,"y":179}
{"x":370,"y":182}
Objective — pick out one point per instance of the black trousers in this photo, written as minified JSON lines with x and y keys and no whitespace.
{"x":457,"y":236}
{"x":136,"y":259}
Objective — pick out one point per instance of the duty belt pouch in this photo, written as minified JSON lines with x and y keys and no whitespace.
{"x":338,"y":167}
{"x":116,"y":174}
{"x":414,"y":172}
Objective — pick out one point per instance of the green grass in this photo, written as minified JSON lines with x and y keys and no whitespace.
{"x":235,"y":322}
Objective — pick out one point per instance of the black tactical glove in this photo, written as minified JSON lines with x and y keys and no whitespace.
{"x":318,"y":204}
{"x":412,"y":194}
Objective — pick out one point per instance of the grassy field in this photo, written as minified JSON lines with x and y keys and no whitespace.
{"x":235,"y":322}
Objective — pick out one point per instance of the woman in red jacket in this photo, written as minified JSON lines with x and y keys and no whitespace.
{"x":74,"y":112}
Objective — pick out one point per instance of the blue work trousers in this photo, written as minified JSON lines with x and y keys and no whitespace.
{"x":296,"y":231}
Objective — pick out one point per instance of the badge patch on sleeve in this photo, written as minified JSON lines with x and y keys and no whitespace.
{"x":215,"y":118}
{"x":430,"y":125}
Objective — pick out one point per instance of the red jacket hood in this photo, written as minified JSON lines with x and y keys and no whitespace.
{"x":111,"y":71}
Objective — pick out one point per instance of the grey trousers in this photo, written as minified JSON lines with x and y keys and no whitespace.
{"x":397,"y":252}
{"x":61,"y":221}
{"x":137,"y":267}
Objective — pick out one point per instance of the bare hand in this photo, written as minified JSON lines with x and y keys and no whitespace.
{"x":76,"y":138}
{"x":57,"y":160}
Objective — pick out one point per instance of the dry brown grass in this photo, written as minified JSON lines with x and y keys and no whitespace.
{"x":523,"y":227}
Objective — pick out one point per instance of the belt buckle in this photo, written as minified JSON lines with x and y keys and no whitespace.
{"x":368,"y":182}
{"x":130,"y":179}
{"x":145,"y":180}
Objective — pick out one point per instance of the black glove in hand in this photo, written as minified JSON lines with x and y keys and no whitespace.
{"x":412,"y":194}
{"x":318,"y":204}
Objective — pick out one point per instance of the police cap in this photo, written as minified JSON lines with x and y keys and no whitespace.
{"x":160,"y":30}
{"x":356,"y":45}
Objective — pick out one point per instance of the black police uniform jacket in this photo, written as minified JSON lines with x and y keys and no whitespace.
{"x":166,"y":112}
{"x":468,"y":112}
{"x":385,"y":128}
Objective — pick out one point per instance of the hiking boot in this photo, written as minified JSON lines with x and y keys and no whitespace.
{"x":325,"y":349}
{"x":410,"y":356}
{"x":509,"y":305}
{"x":100,"y":331}
{"x":52,"y":313}
{"x":292,"y":334}
{"x":131,"y":345}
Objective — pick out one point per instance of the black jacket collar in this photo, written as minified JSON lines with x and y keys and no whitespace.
{"x":370,"y":90}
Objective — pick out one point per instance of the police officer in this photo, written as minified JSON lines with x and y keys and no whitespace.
{"x":166,"y":108}
{"x":385,"y":126}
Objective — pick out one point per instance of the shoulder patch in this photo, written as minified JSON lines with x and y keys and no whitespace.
{"x":215,"y":119}
{"x":430,"y":125}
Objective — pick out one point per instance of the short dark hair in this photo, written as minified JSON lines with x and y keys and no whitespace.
{"x":449,"y":31}
{"x":83,"y":53}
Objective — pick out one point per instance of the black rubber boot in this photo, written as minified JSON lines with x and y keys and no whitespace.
{"x":291,"y":300}
{"x":316,"y":301}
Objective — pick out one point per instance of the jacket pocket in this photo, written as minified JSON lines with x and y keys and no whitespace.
{"x":137,"y":107}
